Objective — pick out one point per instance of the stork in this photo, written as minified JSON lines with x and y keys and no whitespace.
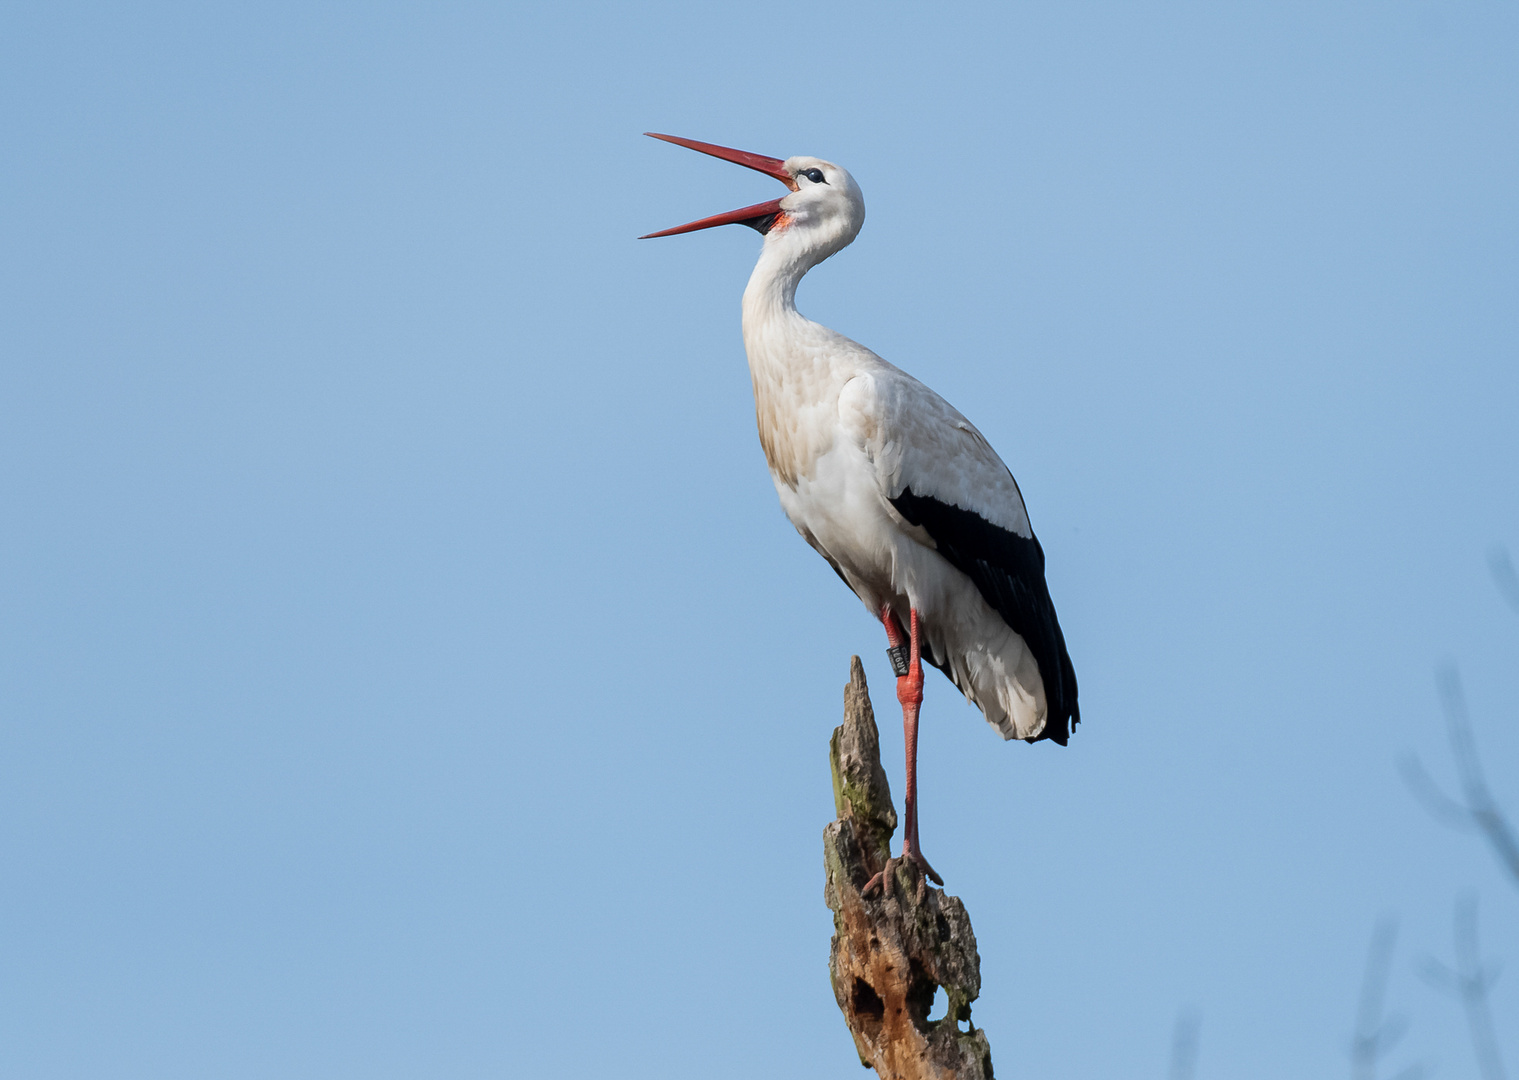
{"x":886,"y":480}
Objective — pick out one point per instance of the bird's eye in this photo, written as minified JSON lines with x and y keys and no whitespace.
{"x":815,"y":175}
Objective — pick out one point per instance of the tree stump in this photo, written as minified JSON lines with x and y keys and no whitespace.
{"x":890,"y":953}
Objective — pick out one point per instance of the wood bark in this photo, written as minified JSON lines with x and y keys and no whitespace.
{"x":892,"y":952}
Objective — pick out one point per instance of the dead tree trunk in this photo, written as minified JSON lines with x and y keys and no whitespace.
{"x":891,"y":952}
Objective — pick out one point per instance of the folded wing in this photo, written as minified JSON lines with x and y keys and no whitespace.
{"x":942,"y":476}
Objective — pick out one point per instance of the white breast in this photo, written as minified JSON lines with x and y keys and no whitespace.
{"x":840,"y":507}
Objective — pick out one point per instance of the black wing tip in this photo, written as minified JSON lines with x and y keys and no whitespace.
{"x":1059,"y":729}
{"x":1008,"y":572}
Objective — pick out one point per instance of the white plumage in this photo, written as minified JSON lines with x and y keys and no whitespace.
{"x":889,"y":482}
{"x":845,"y":432}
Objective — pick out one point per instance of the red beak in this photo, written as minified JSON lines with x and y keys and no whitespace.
{"x":760,"y":216}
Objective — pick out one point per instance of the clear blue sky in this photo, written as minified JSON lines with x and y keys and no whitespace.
{"x":408,"y":672}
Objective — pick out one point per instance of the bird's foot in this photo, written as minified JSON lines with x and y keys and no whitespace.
{"x":922,"y":864}
{"x":883,"y":880}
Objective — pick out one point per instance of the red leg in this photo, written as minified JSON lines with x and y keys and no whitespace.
{"x":910,"y":694}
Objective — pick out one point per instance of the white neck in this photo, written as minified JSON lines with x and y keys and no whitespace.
{"x":770,"y":296}
{"x":794,"y":362}
{"x":797,"y":365}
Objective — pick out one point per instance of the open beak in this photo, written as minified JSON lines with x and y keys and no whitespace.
{"x":760,"y":216}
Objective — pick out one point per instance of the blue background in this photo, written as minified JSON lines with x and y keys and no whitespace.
{"x":406,"y":670}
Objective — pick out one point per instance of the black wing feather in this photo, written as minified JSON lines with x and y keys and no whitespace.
{"x":1008,"y":570}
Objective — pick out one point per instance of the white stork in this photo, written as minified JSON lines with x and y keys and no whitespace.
{"x":901,"y":494}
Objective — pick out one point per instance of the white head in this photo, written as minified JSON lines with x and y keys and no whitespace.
{"x":821,"y":216}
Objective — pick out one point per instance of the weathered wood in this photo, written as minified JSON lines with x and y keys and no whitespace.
{"x":890,"y":953}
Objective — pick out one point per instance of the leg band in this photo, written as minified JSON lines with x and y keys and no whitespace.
{"x":898,"y":655}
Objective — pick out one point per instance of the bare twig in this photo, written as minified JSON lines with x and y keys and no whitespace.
{"x":1476,"y":808}
{"x":1441,"y":807}
{"x":1480,"y":803}
{"x":1471,"y":981}
{"x":1184,"y":1045}
{"x":1502,"y":566}
{"x":1375,"y":1035}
